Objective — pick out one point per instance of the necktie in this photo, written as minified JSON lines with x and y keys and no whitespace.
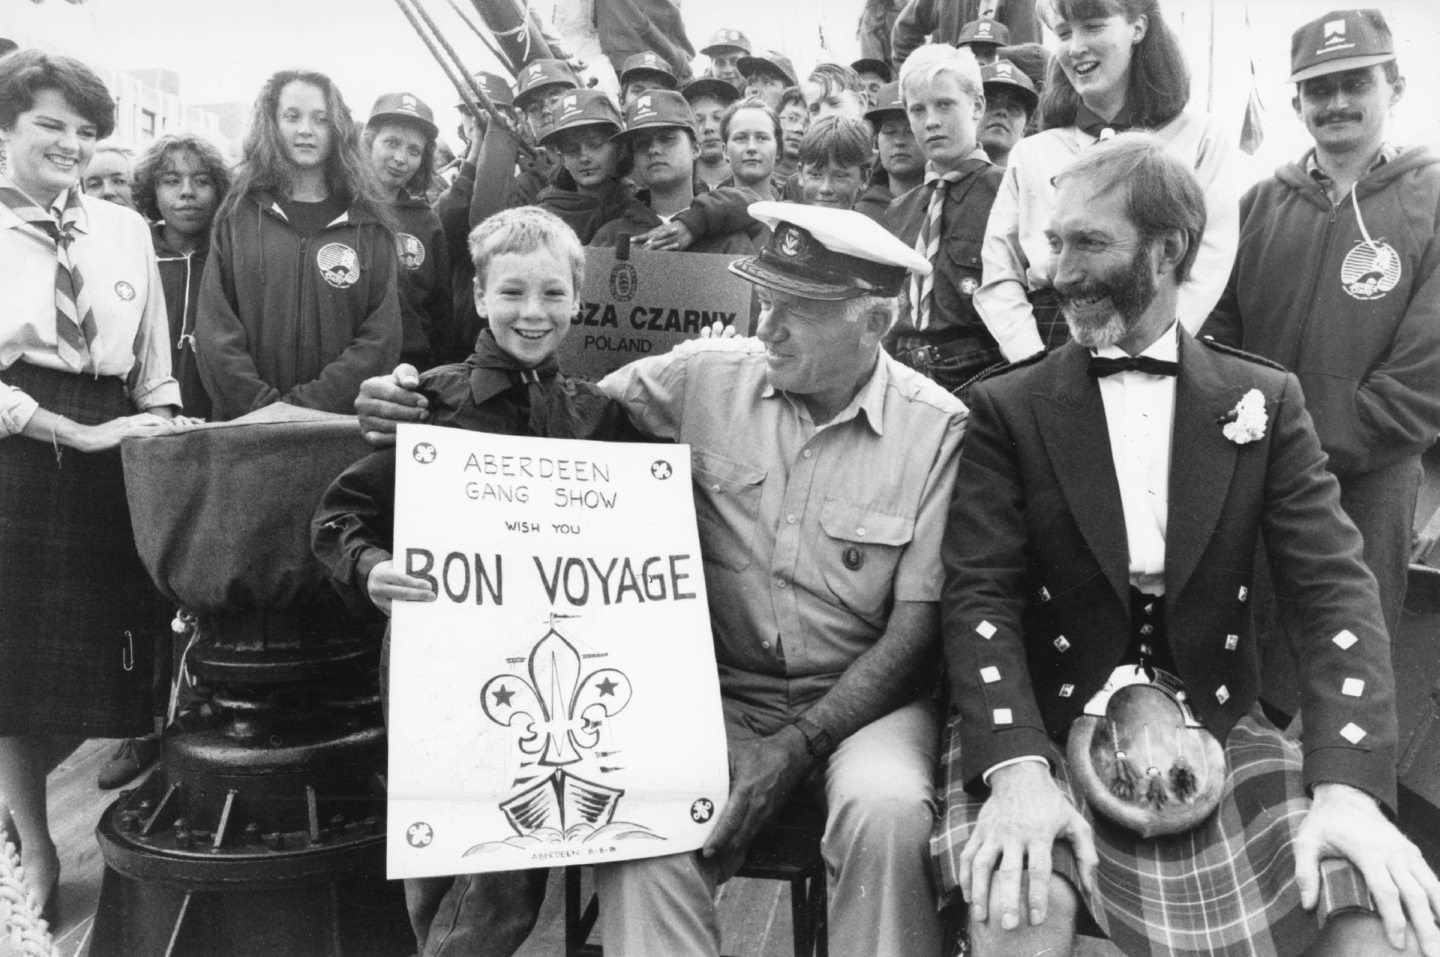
{"x":1101,"y":367}
{"x":74,"y":319}
{"x":927,"y":244}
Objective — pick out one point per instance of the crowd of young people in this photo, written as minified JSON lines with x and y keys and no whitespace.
{"x":173,"y":286}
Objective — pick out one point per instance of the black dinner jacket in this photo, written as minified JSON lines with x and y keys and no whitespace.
{"x":1035,"y":605}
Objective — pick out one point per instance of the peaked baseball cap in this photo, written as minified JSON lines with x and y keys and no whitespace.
{"x":726,"y":39}
{"x":406,"y":107}
{"x":771,"y":60}
{"x":888,"y":100}
{"x":1339,"y":41}
{"x":1005,"y":73}
{"x":647,"y":62}
{"x":871,"y":65}
{"x":984,"y":30}
{"x":496,"y":87}
{"x":538,"y":73}
{"x":829,"y":254}
{"x":657,"y":108}
{"x":583,"y":108}
{"x":720,"y":90}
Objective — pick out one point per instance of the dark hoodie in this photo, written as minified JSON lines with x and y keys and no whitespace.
{"x":284,"y":318}
{"x":1357,"y":319}
{"x":180,"y":276}
{"x":639,"y":218}
{"x":425,"y":304}
{"x":582,"y":212}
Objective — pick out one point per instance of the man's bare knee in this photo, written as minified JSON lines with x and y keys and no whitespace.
{"x":1054,"y":937}
{"x":1359,"y":933}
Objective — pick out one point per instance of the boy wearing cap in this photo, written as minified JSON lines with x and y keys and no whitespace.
{"x":767,"y":75}
{"x":399,"y":142}
{"x":644,"y":71}
{"x":983,"y":37}
{"x":709,"y":98}
{"x":873,"y":75}
{"x":538,"y":89}
{"x":725,"y":49}
{"x":1336,"y":279}
{"x":591,"y":189}
{"x":939,"y":332}
{"x":899,"y":164}
{"x":1010,"y":100}
{"x":660,"y":134}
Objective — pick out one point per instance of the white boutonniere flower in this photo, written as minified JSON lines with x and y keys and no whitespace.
{"x":1246,"y":422}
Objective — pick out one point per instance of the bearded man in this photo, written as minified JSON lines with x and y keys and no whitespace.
{"x":1099,"y":558}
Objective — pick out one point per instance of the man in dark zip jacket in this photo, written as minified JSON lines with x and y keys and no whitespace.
{"x":1336,"y":280}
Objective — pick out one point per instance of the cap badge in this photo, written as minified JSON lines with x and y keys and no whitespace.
{"x":790,"y":243}
{"x":1335,"y":37}
{"x":535,"y":71}
{"x":643,"y":107}
{"x":983,"y":31}
{"x":1003,"y":69}
{"x":569,"y":105}
{"x":407,"y":102}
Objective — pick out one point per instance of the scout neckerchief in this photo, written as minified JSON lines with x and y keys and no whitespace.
{"x":496,"y":370}
{"x":1097,"y":126}
{"x":74,"y":319}
{"x":927,"y":244}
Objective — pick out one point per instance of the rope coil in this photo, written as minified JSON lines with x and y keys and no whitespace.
{"x":19,"y":908}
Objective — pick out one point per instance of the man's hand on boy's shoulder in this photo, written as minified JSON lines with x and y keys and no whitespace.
{"x":387,"y":400}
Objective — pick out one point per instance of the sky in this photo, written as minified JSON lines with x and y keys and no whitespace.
{"x":224,"y":49}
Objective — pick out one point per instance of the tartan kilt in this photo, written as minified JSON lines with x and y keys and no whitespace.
{"x":1226,"y":888}
{"x":78,"y":614}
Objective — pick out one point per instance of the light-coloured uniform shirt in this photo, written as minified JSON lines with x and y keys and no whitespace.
{"x":116,"y":258}
{"x":809,"y":533}
{"x":1139,"y":415}
{"x":1016,"y":252}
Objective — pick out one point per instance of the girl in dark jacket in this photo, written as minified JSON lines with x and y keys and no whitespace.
{"x":299,"y":300}
{"x":399,"y":141}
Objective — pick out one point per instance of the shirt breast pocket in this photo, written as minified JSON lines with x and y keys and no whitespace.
{"x":963,"y":256}
{"x":858,"y":553}
{"x":727,"y":508}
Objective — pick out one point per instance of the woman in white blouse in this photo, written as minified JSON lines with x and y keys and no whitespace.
{"x":84,"y":363}
{"x":1119,"y":67}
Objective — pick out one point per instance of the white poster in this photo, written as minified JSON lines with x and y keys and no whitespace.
{"x":558,"y":702}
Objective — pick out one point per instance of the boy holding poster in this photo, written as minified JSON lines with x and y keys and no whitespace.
{"x":528,"y":271}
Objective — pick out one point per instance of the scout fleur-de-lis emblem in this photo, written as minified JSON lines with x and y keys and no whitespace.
{"x":558,"y":712}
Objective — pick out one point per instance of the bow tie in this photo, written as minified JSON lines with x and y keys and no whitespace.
{"x":1101,"y":367}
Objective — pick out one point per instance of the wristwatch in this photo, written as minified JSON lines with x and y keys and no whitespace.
{"x":818,"y":741}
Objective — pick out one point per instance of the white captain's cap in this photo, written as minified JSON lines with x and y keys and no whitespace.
{"x":820,"y":253}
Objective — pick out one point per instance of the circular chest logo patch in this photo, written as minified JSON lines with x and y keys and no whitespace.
{"x":338,"y":264}
{"x":410,"y":250}
{"x":124,"y":290}
{"x":1370,"y":270}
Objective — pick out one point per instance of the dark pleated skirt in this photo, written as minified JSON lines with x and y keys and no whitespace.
{"x":78,"y":614}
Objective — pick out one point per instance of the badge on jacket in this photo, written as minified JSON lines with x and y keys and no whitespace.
{"x":338,"y":264}
{"x":853,"y":557}
{"x":410,"y":250}
{"x":1370,"y":270}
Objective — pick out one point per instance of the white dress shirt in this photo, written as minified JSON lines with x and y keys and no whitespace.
{"x":1139,"y":415}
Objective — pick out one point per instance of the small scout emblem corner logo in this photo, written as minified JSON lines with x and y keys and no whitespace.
{"x":124,"y":290}
{"x":338,"y":264}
